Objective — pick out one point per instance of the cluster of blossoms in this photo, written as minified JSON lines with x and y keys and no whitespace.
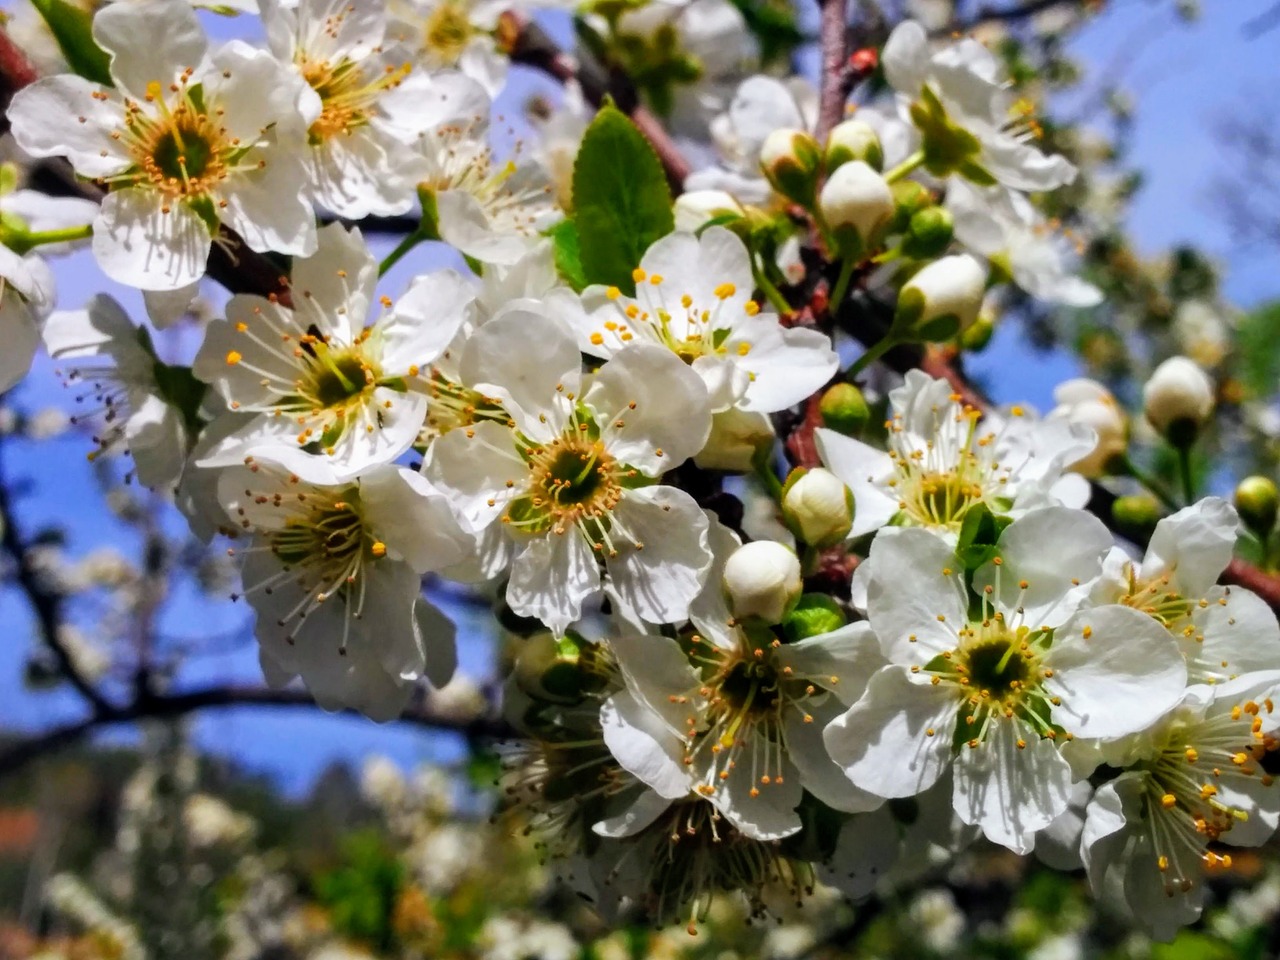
{"x":935,"y":643}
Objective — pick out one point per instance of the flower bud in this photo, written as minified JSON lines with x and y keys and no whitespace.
{"x":941,"y":300}
{"x":980,"y":332}
{"x":814,"y":615}
{"x":857,"y":205}
{"x":548,"y":670}
{"x":909,"y":198}
{"x":790,"y":161}
{"x":1090,"y":404}
{"x":853,"y":140}
{"x":844,"y":409}
{"x":1178,"y":399}
{"x":737,"y":436}
{"x":1257,"y":501}
{"x":762,"y":579}
{"x":928,"y":233}
{"x":1136,"y":515}
{"x":817,"y":507}
{"x":697,"y":208}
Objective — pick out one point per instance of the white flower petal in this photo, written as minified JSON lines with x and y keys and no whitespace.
{"x":473,"y":467}
{"x":150,"y":41}
{"x":1116,"y":670}
{"x":551,"y":577}
{"x":138,"y":244}
{"x":652,"y":408}
{"x":644,"y":746}
{"x":1193,"y":545}
{"x":1057,"y":552}
{"x":896,"y":740}
{"x":39,"y":118}
{"x":412,"y":518}
{"x":1011,"y":793}
{"x":915,"y":595}
{"x":522,"y":357}
{"x":865,"y":471}
{"x":660,"y":581}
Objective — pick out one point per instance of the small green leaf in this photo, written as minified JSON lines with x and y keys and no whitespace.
{"x":73,"y":29}
{"x":568,"y":253}
{"x":621,"y":200}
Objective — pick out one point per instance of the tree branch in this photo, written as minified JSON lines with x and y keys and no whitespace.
{"x":836,"y":75}
{"x":46,"y":604}
{"x":171,"y":706}
{"x":530,"y":45}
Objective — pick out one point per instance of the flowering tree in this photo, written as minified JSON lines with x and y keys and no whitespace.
{"x":792,"y":607}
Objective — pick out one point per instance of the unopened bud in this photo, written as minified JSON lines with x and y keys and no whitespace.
{"x":941,"y":300}
{"x":548,"y":670}
{"x":697,"y":208}
{"x":929,"y":233}
{"x":817,"y":507}
{"x":1178,"y":400}
{"x":790,"y":161}
{"x":857,"y":206}
{"x":1257,"y":501}
{"x":737,"y":437}
{"x":762,"y":579}
{"x":853,"y":140}
{"x":814,"y":615}
{"x":1136,"y":515}
{"x":844,"y":409}
{"x":977,"y":336}
{"x":909,"y":198}
{"x":1090,"y":404}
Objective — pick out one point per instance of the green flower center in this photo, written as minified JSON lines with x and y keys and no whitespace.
{"x":340,"y":378}
{"x":447,"y":32}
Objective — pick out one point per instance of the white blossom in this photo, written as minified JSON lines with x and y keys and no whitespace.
{"x":188,"y":139}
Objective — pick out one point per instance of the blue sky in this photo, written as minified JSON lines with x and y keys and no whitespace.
{"x":1182,"y":76}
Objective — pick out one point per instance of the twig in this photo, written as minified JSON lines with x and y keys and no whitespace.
{"x":835,"y":65}
{"x":218,"y":697}
{"x":531,"y":46}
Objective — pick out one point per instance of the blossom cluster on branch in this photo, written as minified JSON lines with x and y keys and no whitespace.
{"x":923,"y":636}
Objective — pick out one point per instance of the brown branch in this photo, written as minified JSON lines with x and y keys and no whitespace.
{"x":529,"y":44}
{"x":171,"y":706}
{"x":836,"y":75}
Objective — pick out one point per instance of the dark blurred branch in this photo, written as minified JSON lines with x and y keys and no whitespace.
{"x":46,"y":603}
{"x":530,"y":45}
{"x":171,"y":706}
{"x":1011,"y":14}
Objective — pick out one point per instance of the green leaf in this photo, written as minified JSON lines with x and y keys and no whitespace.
{"x":568,"y":253}
{"x":621,"y":200}
{"x":73,"y":29}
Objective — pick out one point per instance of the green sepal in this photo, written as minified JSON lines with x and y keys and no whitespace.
{"x":72,"y":28}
